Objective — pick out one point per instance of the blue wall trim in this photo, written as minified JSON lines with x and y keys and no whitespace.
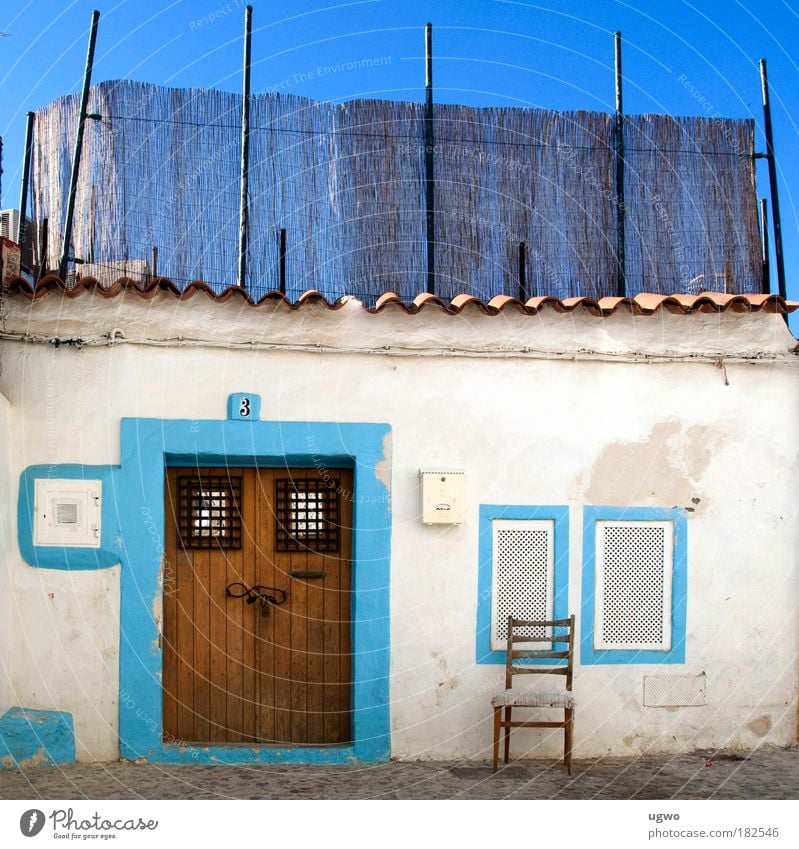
{"x":36,"y":738}
{"x":64,"y":557}
{"x":679,"y":587}
{"x":133,"y":527}
{"x":489,"y":512}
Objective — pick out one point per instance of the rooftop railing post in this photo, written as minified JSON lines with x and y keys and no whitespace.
{"x":26,"y":175}
{"x":772,"y":174}
{"x":282,"y":267}
{"x":765,"y":286}
{"x":245,"y":151}
{"x":618,"y":132}
{"x":428,"y":160}
{"x":82,"y":116}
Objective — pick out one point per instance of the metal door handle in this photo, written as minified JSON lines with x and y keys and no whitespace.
{"x":304,"y":573}
{"x":257,"y":592}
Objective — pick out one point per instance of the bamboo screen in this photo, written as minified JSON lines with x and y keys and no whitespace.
{"x":347,"y":183}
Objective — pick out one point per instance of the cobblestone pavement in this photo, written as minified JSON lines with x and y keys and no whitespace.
{"x":765,"y":774}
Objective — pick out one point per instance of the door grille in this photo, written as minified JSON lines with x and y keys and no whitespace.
{"x":208,"y":512}
{"x":307,"y":513}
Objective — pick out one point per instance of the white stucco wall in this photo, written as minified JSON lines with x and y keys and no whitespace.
{"x":7,"y":541}
{"x":696,"y":411}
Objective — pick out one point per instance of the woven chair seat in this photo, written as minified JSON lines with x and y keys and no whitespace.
{"x":533,"y":698}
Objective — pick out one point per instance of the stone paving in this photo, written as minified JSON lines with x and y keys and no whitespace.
{"x":764,"y":774}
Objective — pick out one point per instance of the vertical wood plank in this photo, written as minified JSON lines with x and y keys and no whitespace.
{"x":250,"y":624}
{"x":346,"y":507}
{"x":282,"y":633}
{"x":236,"y":613}
{"x":220,"y":609}
{"x":201,"y":625}
{"x":332,"y":648}
{"x":315,"y":649}
{"x":184,"y":610}
{"x":169,"y":647}
{"x":299,"y":639}
{"x":265,"y":630}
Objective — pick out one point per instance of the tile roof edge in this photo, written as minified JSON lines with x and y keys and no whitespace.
{"x":645,"y":303}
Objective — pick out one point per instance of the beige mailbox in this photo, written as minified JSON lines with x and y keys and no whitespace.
{"x":442,"y":497}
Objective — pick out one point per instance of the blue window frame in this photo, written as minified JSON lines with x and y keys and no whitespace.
{"x":634,"y":585}
{"x":558,"y":519}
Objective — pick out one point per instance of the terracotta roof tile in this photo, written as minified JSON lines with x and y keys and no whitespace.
{"x":642,"y":304}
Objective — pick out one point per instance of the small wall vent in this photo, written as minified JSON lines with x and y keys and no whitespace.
{"x":674,"y":690}
{"x":68,"y":512}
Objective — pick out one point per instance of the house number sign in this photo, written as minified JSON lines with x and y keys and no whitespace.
{"x":244,"y":406}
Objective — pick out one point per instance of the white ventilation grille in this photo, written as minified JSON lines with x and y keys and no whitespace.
{"x":674,"y":690}
{"x":66,"y":512}
{"x":634,"y":563}
{"x":522,"y":575}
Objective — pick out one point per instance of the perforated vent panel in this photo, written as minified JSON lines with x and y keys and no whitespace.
{"x":633,"y":585}
{"x":522,"y":575}
{"x":674,"y":690}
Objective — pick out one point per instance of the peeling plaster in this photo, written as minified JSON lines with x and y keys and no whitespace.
{"x":664,"y":468}
{"x":383,"y":467}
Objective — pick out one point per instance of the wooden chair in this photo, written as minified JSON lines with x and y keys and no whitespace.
{"x":562,"y":664}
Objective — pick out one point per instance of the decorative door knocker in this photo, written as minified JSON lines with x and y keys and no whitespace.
{"x":257,"y":592}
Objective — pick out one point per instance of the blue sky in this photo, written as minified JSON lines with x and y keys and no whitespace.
{"x":681,"y":58}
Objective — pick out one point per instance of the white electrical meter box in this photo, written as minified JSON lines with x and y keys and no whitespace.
{"x":442,"y":497}
{"x":67,"y":512}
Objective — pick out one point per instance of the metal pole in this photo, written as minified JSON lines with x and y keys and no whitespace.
{"x":621,"y":271}
{"x":43,"y":248}
{"x":772,"y":174}
{"x":154,"y":262}
{"x":73,"y":183}
{"x":430,"y":184}
{"x":766,"y":284}
{"x":282,"y":279}
{"x":245,"y":150}
{"x":26,"y":174}
{"x":522,"y":272}
{"x":92,"y":221}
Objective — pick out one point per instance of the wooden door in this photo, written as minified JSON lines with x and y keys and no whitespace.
{"x":257,"y":672}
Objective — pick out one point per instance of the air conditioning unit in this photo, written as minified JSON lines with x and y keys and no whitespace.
{"x":9,"y":224}
{"x":9,"y":229}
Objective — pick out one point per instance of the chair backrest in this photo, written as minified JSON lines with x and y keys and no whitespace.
{"x":561,"y":648}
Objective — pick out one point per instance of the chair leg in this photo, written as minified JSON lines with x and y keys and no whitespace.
{"x":497,"y":728}
{"x":507,"y":733}
{"x":567,"y":742}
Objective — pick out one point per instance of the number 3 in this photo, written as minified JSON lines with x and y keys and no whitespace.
{"x":244,"y":408}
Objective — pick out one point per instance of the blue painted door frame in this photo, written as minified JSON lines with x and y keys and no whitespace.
{"x":133,"y":534}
